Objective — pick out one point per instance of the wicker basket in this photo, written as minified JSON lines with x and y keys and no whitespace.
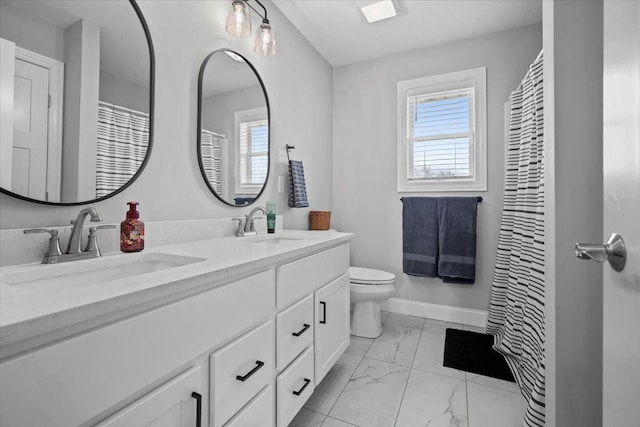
{"x":319,"y":220}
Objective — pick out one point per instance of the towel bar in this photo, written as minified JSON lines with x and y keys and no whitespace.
{"x":479,"y":199}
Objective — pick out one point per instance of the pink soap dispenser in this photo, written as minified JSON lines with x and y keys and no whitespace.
{"x":132,"y":230}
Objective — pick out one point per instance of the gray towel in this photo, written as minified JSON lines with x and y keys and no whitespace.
{"x":420,"y":236}
{"x":457,"y":239}
{"x":297,"y":187}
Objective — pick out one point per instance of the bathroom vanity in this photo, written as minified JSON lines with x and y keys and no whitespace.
{"x":229,"y":331}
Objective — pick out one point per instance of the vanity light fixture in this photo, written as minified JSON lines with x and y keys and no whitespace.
{"x":238,"y":24}
{"x":377,"y":10}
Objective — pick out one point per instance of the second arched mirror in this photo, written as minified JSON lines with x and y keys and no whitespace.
{"x":233,"y":128}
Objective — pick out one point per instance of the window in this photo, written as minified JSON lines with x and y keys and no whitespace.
{"x":252,"y":142}
{"x":442,"y":133}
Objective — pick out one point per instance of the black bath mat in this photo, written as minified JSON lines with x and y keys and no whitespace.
{"x":471,"y":352}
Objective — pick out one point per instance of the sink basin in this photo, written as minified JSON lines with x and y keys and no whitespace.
{"x":275,"y":240}
{"x":55,"y":277}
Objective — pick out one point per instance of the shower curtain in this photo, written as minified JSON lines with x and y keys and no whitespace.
{"x":211,"y":149}
{"x":123,"y":138}
{"x":516,"y":312}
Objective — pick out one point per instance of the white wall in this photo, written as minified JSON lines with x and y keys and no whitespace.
{"x":298,"y":81}
{"x":118,"y":91}
{"x":366,"y":200}
{"x":573,"y":47}
{"x":31,"y":33}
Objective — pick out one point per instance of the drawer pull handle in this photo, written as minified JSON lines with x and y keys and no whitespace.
{"x":198,"y":398}
{"x":306,"y":383}
{"x":259,"y":364}
{"x":324,"y":312}
{"x":302,"y":331}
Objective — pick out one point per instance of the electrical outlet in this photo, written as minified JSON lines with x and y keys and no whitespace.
{"x":281,"y":184}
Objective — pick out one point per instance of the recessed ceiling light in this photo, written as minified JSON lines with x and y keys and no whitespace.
{"x":377,"y":10}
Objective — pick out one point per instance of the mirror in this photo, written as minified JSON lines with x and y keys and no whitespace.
{"x":233,"y":128}
{"x":77,"y":98}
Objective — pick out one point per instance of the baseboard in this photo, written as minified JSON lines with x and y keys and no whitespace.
{"x":446,"y":313}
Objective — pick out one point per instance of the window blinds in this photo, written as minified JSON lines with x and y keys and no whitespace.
{"x":254,"y":147}
{"x":440,"y":134}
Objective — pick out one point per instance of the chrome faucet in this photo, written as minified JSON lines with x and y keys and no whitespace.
{"x":74,"y":246}
{"x":246,"y":227}
{"x":74,"y":251}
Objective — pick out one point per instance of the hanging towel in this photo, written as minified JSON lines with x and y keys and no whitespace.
{"x":457,"y":239}
{"x":297,"y":187}
{"x":420,"y":236}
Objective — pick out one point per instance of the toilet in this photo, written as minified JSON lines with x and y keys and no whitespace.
{"x":369,"y":288}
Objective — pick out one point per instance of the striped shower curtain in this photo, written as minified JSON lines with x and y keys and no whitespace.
{"x":123,"y":139}
{"x":516,"y":312}
{"x":211,"y":151}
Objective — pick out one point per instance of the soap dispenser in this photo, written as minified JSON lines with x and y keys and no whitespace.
{"x":132,"y":230}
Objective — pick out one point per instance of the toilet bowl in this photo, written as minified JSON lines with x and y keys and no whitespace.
{"x":369,"y":288}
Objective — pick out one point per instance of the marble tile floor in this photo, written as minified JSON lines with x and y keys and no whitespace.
{"x":397,"y":380}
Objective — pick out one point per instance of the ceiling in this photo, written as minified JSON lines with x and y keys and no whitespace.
{"x":339,"y":31}
{"x":123,"y":45}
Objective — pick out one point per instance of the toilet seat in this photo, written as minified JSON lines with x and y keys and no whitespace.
{"x":369,"y":276}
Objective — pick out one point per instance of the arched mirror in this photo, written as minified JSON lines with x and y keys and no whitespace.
{"x":77,"y":99}
{"x":233,"y":128}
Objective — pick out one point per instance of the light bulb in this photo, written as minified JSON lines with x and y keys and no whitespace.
{"x":265,"y":41}
{"x":238,"y":19}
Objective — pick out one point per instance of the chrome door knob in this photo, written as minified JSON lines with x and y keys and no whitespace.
{"x":613,"y":251}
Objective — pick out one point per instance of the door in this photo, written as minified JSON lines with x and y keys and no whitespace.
{"x":174,"y":404}
{"x":621,"y":170}
{"x":30,"y":130}
{"x":332,"y":324}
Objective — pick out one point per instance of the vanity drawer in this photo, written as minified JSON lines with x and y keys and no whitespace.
{"x":260,"y":412}
{"x":302,"y":277}
{"x":240,"y":370}
{"x":294,"y":331}
{"x":294,"y":386}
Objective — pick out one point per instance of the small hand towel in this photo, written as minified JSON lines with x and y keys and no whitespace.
{"x":420,"y":236}
{"x":297,"y":187}
{"x":457,"y":239}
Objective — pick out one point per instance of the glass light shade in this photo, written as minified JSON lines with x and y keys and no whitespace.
{"x":265,"y":41}
{"x":238,"y":19}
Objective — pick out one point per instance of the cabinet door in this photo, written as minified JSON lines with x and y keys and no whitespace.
{"x":177,"y":403}
{"x":332,"y":324}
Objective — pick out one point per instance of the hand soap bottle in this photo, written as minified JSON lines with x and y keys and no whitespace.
{"x":132,"y":230}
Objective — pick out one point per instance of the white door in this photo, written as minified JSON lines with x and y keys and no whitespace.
{"x":332,"y":324}
{"x":621,"y":169}
{"x":30,"y":130}
{"x":174,"y":404}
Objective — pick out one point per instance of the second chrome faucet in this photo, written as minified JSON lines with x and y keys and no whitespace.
{"x":246,"y":227}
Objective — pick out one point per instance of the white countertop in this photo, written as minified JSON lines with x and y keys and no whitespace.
{"x":29,"y":318}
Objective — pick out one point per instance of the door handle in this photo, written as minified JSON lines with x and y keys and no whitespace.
{"x":302,"y":331}
{"x":198,"y":398}
{"x":613,"y":251}
{"x":306,"y":383}
{"x":324,"y":312}
{"x":259,"y":364}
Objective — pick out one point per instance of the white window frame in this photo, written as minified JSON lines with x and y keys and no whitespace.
{"x":240,"y":117}
{"x":475,"y":78}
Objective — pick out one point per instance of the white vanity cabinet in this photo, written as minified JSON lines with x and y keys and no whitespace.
{"x":320,"y":279}
{"x":72,"y":382}
{"x":242,"y":353}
